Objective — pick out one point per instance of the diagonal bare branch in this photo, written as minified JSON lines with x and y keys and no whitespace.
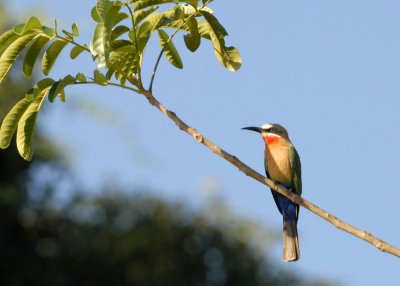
{"x":362,"y":234}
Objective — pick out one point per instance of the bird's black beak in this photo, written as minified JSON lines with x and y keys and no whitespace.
{"x":256,"y":129}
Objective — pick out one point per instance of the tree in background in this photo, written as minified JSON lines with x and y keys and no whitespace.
{"x":128,"y":240}
{"x":120,"y":240}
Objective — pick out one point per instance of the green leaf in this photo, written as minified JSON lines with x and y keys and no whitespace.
{"x":95,"y":15}
{"x":216,"y":26}
{"x":8,"y":58}
{"x":118,"y":31}
{"x":119,"y":44}
{"x":152,"y":23}
{"x":41,"y":85}
{"x":228,"y":56}
{"x":51,"y":55}
{"x":193,"y":39}
{"x":119,"y":17}
{"x":49,"y":31}
{"x":124,"y":63}
{"x":148,"y":3}
{"x":26,"y":128}
{"x":99,"y":45}
{"x":113,"y":17}
{"x":10,"y":122}
{"x":146,"y":29}
{"x":7,"y":38}
{"x":33,"y":53}
{"x":76,"y":51}
{"x":100,"y":78}
{"x":110,"y":73}
{"x":31,"y":24}
{"x":80,"y":77}
{"x":75,"y":30}
{"x":169,"y":49}
{"x":193,"y":3}
{"x":58,"y":88}
{"x":102,"y":7}
{"x":140,"y":15}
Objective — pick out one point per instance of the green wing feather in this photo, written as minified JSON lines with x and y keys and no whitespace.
{"x":296,"y":167}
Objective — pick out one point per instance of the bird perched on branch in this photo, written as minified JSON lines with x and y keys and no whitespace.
{"x":282,"y":165}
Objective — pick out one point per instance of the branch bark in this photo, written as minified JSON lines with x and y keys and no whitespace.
{"x":362,"y":234}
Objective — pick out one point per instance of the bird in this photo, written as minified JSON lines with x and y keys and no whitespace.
{"x":282,"y":165}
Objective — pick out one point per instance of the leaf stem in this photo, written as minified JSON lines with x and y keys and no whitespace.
{"x":71,"y":41}
{"x":140,"y":91}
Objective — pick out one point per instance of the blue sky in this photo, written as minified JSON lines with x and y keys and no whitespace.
{"x":326,"y":70}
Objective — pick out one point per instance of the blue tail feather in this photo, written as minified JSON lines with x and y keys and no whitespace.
{"x":288,"y":209}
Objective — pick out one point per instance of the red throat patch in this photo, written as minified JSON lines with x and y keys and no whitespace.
{"x":271,"y":138}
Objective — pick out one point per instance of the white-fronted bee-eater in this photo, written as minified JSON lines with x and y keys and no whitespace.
{"x":282,"y":165}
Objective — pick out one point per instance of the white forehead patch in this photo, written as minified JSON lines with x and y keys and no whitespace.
{"x":267,"y":126}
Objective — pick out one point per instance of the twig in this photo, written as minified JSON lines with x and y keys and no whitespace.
{"x":71,"y":41}
{"x":368,"y":237}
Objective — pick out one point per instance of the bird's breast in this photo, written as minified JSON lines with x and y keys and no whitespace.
{"x":278,"y":163}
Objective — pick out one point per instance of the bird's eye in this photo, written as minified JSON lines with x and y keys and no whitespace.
{"x":272,"y":129}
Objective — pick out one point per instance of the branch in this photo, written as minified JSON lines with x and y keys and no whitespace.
{"x":368,"y":237}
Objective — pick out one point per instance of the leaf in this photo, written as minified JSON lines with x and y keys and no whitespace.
{"x":118,"y":31}
{"x":76,"y":51}
{"x":148,"y":3}
{"x":140,"y":15}
{"x":16,"y":115}
{"x":81,"y":77}
{"x":113,"y":17}
{"x":123,"y":62}
{"x":102,"y":7}
{"x":75,"y":30}
{"x":152,"y":23}
{"x":99,"y":45}
{"x":100,"y":78}
{"x":49,"y":31}
{"x":228,"y":56}
{"x":119,"y":44}
{"x":31,"y":24}
{"x":146,"y":29}
{"x":193,"y":39}
{"x":193,"y":3}
{"x":33,"y":53}
{"x":58,"y":88}
{"x":41,"y":85}
{"x":51,"y":55}
{"x":8,"y":58}
{"x":7,"y":38}
{"x":110,"y":73}
{"x":218,"y":29}
{"x":169,"y":49}
{"x":119,"y":17}
{"x":95,"y":15}
{"x":10,"y":122}
{"x":26,"y":128}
